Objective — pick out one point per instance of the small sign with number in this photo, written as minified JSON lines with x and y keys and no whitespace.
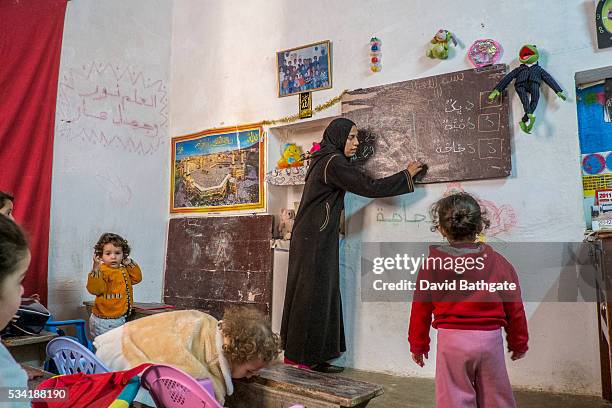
{"x":305,"y":105}
{"x":603,"y":196}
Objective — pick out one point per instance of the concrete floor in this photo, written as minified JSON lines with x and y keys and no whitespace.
{"x":406,"y":392}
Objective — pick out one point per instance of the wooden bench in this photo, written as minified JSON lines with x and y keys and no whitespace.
{"x":29,"y":349}
{"x":282,"y":386}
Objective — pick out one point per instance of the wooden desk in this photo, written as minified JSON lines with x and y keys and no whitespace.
{"x":36,"y":376}
{"x":282,"y":386}
{"x":139,"y":309}
{"x":601,"y":251}
{"x":29,"y":350}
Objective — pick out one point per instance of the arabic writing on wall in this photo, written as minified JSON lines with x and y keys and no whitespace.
{"x":401,"y":215}
{"x":113,"y":107}
{"x":502,"y":217}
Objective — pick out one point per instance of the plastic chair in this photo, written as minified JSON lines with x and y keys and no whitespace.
{"x":173,"y":388}
{"x":70,"y":357}
{"x":79,"y":325}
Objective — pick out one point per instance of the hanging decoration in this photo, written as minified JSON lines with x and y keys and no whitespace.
{"x":438,"y":47}
{"x":485,"y":52}
{"x":304,"y":69}
{"x":296,"y":117}
{"x":375,"y":54}
{"x":527,"y":78}
{"x":305,"y":105}
{"x":218,"y":170}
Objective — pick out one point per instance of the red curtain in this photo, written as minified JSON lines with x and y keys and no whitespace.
{"x":30,"y":45}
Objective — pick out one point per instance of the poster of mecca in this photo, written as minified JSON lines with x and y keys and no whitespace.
{"x":218,"y":170}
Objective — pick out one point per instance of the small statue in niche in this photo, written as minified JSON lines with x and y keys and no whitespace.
{"x":291,"y":156}
{"x":285,"y":227}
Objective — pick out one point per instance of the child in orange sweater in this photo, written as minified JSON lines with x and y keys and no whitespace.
{"x":111,"y":278}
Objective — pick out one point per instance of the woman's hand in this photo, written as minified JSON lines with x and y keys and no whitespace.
{"x":418,"y":358}
{"x":414,"y":168}
{"x":127,"y":261}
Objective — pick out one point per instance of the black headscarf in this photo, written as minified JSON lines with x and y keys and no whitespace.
{"x":334,"y":140}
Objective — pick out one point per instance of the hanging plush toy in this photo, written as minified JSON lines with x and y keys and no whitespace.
{"x":527,"y":79}
{"x":438,"y":48}
{"x":485,"y":52}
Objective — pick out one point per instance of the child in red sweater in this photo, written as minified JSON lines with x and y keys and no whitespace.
{"x":470,"y":366}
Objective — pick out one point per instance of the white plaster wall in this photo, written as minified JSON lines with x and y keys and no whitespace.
{"x":111,"y":157}
{"x":223,"y":73}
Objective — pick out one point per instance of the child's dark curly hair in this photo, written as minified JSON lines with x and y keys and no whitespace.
{"x":4,"y":197}
{"x":13,"y":247}
{"x":116,"y":240}
{"x":250,"y":335}
{"x":460,"y":216}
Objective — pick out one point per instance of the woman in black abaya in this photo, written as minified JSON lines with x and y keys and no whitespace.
{"x":312,"y":328}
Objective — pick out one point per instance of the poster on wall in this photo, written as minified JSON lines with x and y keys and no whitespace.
{"x":608,"y":100}
{"x":304,"y":69}
{"x":596,"y":172}
{"x":594,"y":137}
{"x":218,"y":170}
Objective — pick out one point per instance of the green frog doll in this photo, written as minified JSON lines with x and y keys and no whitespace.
{"x":527,"y":79}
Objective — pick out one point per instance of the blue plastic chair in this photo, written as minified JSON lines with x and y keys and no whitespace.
{"x":79,"y":324}
{"x":70,"y":357}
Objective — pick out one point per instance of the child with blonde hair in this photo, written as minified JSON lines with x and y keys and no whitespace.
{"x":195,"y":342}
{"x":111,"y":278}
{"x":470,"y":365}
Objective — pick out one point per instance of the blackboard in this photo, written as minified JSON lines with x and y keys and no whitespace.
{"x":213,"y":262}
{"x":445,"y":120}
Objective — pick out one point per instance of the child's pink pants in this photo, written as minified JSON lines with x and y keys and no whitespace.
{"x":471,"y":371}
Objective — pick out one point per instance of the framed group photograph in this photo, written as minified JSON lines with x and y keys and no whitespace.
{"x":218,"y":170}
{"x":304,"y":69}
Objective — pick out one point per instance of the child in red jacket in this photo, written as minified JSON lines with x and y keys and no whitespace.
{"x":472,"y":292}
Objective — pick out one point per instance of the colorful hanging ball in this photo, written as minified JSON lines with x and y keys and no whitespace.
{"x":485,"y":52}
{"x":375,"y":54}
